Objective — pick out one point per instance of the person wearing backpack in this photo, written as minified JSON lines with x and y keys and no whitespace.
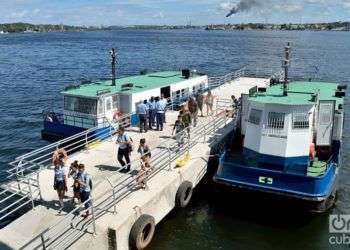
{"x":125,"y":148}
{"x":85,"y":184}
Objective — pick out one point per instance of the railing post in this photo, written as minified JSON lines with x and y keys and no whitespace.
{"x":37,"y":177}
{"x":43,"y":241}
{"x":30,"y":193}
{"x":169,"y":152}
{"x":113,"y":191}
{"x":19,"y":165}
{"x":93,"y":216}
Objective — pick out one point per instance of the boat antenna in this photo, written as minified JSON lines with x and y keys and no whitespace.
{"x":286,"y":64}
{"x":113,"y":54}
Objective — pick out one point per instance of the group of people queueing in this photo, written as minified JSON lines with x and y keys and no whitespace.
{"x":151,"y":113}
{"x":82,"y":182}
{"x":188,"y":115}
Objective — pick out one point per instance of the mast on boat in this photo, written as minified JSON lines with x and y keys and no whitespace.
{"x":286,"y":64}
{"x":113,"y":61}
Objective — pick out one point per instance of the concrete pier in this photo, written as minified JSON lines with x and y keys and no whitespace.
{"x":117,"y":203}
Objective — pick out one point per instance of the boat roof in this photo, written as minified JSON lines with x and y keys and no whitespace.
{"x":299,"y":93}
{"x":132,"y":84}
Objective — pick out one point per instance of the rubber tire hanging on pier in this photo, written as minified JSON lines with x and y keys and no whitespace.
{"x":142,"y":232}
{"x":184,"y":194}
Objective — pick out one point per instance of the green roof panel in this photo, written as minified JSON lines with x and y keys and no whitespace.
{"x":137,"y":83}
{"x":299,"y":93}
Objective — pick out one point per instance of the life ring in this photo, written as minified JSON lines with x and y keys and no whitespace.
{"x":184,"y":194}
{"x":142,"y":232}
{"x":116,"y":115}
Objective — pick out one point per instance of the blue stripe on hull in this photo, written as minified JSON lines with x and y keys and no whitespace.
{"x":313,"y":188}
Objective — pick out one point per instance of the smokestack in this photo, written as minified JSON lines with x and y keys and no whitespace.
{"x":244,"y":5}
{"x":113,"y":61}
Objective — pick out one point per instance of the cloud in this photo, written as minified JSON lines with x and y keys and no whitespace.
{"x":226,"y":6}
{"x":159,"y":15}
{"x":346,"y":4}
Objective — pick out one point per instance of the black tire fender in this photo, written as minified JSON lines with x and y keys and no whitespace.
{"x":184,"y":194}
{"x":142,"y":232}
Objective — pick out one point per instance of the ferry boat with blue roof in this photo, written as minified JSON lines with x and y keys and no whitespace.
{"x":288,"y":141}
{"x":92,"y":103}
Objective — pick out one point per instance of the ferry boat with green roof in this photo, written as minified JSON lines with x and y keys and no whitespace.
{"x":288,"y":141}
{"x":92,"y":103}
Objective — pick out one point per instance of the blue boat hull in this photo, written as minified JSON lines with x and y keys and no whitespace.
{"x":54,"y":131}
{"x":294,"y":185}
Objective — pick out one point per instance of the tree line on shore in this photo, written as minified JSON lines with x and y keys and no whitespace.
{"x":27,"y":27}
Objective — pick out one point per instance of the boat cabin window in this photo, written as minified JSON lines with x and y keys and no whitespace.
{"x":255,"y":116}
{"x":115,"y":101}
{"x":176,"y":94}
{"x":108,"y":104}
{"x":100,"y":106}
{"x":275,"y":120}
{"x":81,"y":105}
{"x":184,"y":92}
{"x":300,"y":120}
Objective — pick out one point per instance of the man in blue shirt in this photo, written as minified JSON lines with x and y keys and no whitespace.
{"x":142,"y":112}
{"x":160,"y":109}
{"x":84,"y":181}
{"x":151,"y":112}
{"x":164,"y":102}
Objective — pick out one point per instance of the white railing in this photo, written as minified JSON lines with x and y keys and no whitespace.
{"x":63,"y":233}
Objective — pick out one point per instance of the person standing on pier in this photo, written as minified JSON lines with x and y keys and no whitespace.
{"x":151,"y":113}
{"x":160,"y":109}
{"x":178,"y":128}
{"x":124,"y":142}
{"x":209,"y":101}
{"x":164,"y":102}
{"x":145,"y":154}
{"x":142,"y":112}
{"x":60,"y":179}
{"x":85,"y":185}
{"x":193,"y":108}
{"x":200,"y":100}
{"x":186,"y":119}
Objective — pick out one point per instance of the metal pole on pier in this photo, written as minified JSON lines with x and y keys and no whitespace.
{"x":286,"y":65}
{"x":113,"y":61}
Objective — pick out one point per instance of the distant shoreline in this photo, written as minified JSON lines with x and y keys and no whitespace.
{"x":33,"y":28}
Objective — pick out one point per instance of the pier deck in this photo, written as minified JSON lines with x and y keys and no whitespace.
{"x":116,"y":201}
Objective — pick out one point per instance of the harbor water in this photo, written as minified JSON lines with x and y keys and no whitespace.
{"x":35,"y":67}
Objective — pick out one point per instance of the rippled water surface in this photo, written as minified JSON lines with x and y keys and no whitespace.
{"x":34,"y":68}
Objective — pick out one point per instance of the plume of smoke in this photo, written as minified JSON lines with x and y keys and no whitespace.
{"x":244,"y":5}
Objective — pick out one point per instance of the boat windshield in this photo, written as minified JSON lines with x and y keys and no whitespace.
{"x":80,"y":105}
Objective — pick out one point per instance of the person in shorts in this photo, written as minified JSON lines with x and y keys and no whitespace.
{"x":200,"y":100}
{"x":179,"y":128}
{"x":84,"y":180}
{"x":60,"y":178}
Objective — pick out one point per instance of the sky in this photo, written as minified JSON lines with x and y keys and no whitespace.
{"x":170,"y":12}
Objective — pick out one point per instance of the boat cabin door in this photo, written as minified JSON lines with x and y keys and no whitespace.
{"x":325,"y":123}
{"x":165,"y":91}
{"x":108,"y":102}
